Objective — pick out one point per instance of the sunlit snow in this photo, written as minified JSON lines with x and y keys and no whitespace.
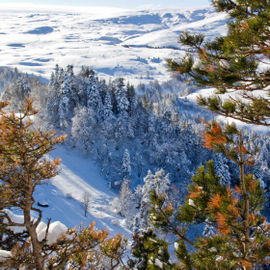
{"x":114,"y":42}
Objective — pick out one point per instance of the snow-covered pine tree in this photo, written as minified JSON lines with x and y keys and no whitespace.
{"x":107,"y":107}
{"x":17,"y":92}
{"x":82,"y":129}
{"x":126,"y":200}
{"x":132,"y":99}
{"x":54,"y":95}
{"x":222,"y":169}
{"x":107,"y":119}
{"x":121,"y":97}
{"x":64,"y":103}
{"x":158,"y":182}
{"x":86,"y":72}
{"x":74,"y":89}
{"x":126,"y":165}
{"x":93,"y":97}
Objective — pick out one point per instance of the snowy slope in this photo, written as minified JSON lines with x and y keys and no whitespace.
{"x":206,"y":92}
{"x":63,"y":194}
{"x":130,"y":44}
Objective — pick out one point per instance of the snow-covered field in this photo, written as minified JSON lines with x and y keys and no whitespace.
{"x":129,"y":44}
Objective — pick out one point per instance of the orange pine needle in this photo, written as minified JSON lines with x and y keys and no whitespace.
{"x":238,"y":189}
{"x":222,"y":225}
{"x":215,"y":202}
{"x":232,"y":209}
{"x":214,"y":136}
{"x":196,"y":193}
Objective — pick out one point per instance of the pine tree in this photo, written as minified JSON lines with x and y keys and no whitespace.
{"x":82,"y":128}
{"x":64,"y":109}
{"x":23,"y":167}
{"x":159,"y":182}
{"x":132,"y":99}
{"x":54,"y":95}
{"x":150,"y":252}
{"x":74,"y":91}
{"x":126,"y":167}
{"x":231,"y":64}
{"x":121,"y":97}
{"x":126,"y":200}
{"x":107,"y":107}
{"x":17,"y":92}
{"x":237,"y":62}
{"x":93,"y":97}
{"x":242,"y":233}
{"x":86,"y":72}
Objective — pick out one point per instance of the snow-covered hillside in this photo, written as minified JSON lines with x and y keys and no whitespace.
{"x":130,"y":44}
{"x":63,"y":195}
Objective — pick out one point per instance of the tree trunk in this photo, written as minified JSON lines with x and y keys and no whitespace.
{"x":246,"y":200}
{"x":33,"y":234}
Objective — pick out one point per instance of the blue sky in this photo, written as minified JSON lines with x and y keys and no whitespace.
{"x":127,"y":4}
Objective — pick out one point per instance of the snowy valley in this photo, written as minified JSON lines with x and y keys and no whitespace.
{"x":132,"y":125}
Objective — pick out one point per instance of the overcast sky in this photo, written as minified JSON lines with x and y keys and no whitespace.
{"x":125,"y":4}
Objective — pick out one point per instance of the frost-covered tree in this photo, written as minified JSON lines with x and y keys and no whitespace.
{"x":93,"y":96}
{"x":83,"y":128}
{"x":8,"y":76}
{"x":54,"y":95}
{"x":126,"y":165}
{"x":132,"y":99}
{"x":17,"y":92}
{"x":160,"y":183}
{"x":74,"y":91}
{"x":126,"y":201}
{"x":94,"y":100}
{"x":222,"y":168}
{"x":64,"y":102}
{"x":86,"y":72}
{"x":121,"y":97}
{"x":107,"y":107}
